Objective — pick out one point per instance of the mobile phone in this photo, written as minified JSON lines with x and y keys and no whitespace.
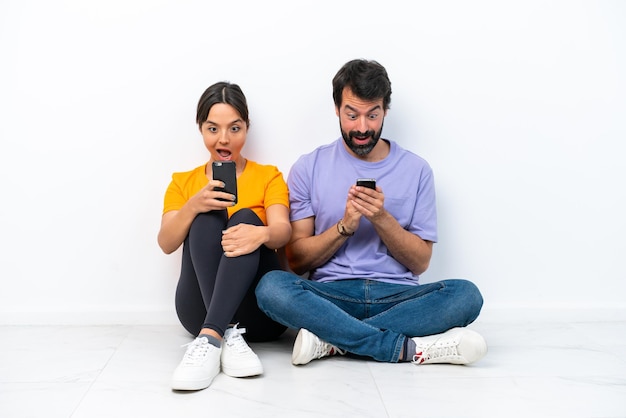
{"x":226,"y":171}
{"x":370,"y":183}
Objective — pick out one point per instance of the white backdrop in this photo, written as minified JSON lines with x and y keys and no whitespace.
{"x":518,"y":106}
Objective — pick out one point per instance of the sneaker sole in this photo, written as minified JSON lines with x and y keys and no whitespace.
{"x":297,"y":357}
{"x":243,"y":372}
{"x":191,"y":384}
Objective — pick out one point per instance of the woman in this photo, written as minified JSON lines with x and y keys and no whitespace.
{"x":227,"y":247}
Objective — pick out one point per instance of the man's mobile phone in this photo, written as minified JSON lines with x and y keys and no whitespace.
{"x":371,"y":183}
{"x":226,"y":171}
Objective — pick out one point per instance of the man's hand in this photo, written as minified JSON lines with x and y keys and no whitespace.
{"x":366,"y":202}
{"x":407,"y":248}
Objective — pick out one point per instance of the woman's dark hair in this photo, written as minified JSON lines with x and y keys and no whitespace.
{"x":222,"y":92}
{"x":366,"y":78}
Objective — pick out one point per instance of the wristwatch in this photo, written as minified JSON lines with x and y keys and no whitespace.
{"x":342,"y":229}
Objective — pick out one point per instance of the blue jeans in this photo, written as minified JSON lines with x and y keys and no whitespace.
{"x":366,"y":317}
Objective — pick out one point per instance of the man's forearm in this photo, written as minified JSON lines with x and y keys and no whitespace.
{"x":407,"y":248}
{"x":305,"y":254}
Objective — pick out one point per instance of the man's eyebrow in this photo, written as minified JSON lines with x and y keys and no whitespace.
{"x":377,"y":107}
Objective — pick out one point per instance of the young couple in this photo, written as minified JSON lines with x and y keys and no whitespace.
{"x":361,"y":249}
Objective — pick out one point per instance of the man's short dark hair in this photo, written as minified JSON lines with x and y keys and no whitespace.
{"x":367,"y":79}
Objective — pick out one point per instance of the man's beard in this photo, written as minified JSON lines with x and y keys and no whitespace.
{"x":361,"y":150}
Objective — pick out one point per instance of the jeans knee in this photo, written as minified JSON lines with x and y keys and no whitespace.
{"x":261,"y":289}
{"x":469,"y":299}
{"x":473,"y":299}
{"x":269,"y":289}
{"x":478,"y":297}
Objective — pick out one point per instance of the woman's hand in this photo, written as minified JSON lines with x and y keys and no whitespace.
{"x":207,"y":198}
{"x":243,"y":239}
{"x":175,"y":224}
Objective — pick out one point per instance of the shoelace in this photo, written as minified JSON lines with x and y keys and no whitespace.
{"x":236,"y":341}
{"x":326,"y":349}
{"x":196,"y":350}
{"x":435,"y":352}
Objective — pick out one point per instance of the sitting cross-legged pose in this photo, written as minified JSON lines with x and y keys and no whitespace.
{"x":363,"y":245}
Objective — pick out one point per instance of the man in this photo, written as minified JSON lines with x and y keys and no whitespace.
{"x":364,"y":249}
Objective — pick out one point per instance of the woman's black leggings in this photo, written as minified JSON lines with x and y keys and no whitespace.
{"x":214,"y":290}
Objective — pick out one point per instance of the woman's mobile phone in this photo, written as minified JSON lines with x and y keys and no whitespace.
{"x":370,"y":183}
{"x":226,"y":171}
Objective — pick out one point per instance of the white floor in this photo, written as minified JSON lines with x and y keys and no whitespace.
{"x":532,"y":370}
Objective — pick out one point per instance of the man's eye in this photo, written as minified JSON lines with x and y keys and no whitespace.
{"x":373,"y":116}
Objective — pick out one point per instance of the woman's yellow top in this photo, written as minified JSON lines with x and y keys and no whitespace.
{"x":258,"y":187}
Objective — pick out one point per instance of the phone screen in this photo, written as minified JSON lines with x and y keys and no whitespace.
{"x":370,"y":183}
{"x":226,"y":171}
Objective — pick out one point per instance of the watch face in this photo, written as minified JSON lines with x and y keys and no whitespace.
{"x":342,"y":229}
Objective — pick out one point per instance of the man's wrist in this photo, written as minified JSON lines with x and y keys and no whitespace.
{"x":342,"y":229}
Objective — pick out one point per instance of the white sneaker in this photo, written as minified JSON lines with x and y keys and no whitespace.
{"x":309,"y":347}
{"x":238,"y":359}
{"x":199,"y":366}
{"x":455,"y":346}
